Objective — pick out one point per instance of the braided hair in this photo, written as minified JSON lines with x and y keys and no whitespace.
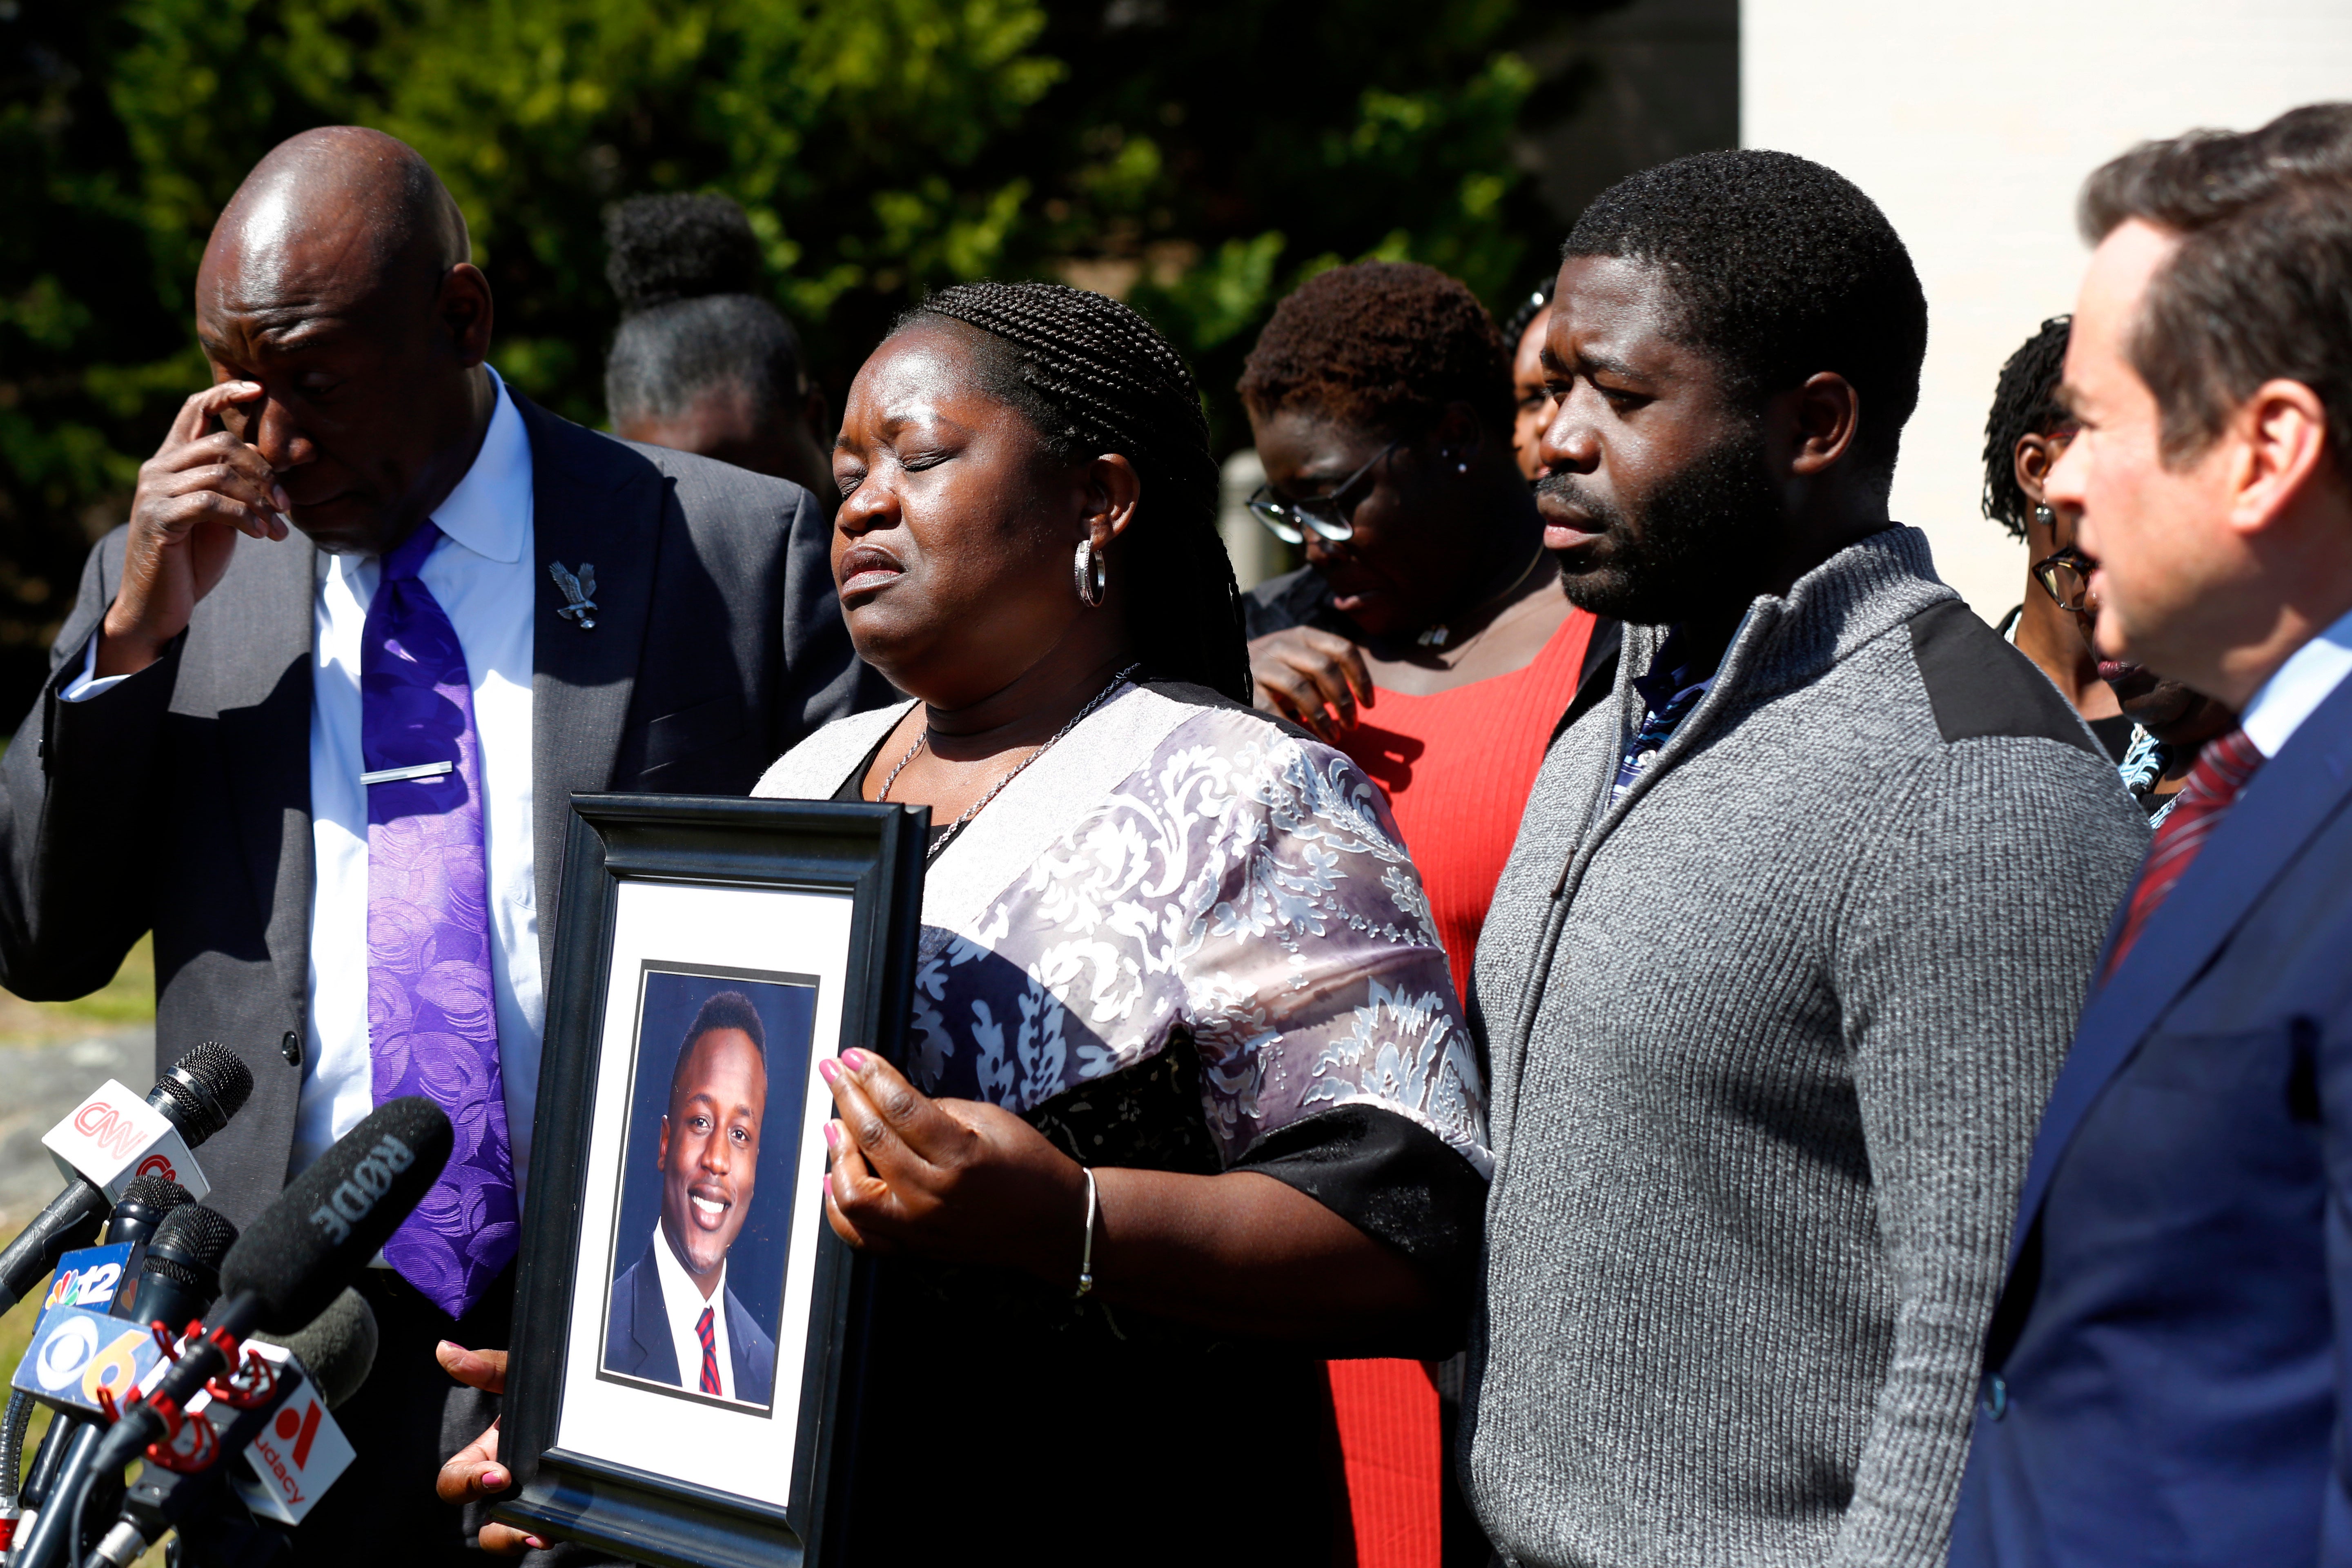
{"x":2025,"y":403}
{"x":1093,"y":377}
{"x":1534,"y":303}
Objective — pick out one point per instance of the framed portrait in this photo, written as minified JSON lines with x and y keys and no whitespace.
{"x":684,"y":1357}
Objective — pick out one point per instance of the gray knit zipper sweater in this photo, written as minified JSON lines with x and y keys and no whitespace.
{"x":1769,"y":1037}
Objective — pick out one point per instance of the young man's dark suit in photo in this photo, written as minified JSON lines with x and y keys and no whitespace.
{"x":218,"y":680}
{"x":2167,"y":1380}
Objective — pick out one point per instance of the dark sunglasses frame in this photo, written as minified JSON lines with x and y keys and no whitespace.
{"x":2047,"y":572}
{"x":1323,"y":516}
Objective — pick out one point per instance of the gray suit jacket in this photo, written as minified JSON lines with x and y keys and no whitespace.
{"x":180,"y":801}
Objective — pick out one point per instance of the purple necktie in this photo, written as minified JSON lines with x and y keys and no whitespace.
{"x":433,"y":1023}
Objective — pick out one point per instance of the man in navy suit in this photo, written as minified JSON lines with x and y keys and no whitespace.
{"x":2165,"y":1376}
{"x":672,"y":1318}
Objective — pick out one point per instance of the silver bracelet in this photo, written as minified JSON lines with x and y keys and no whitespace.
{"x":1086,"y":1257}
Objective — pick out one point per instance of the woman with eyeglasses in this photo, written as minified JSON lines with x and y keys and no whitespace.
{"x":2156,"y":726}
{"x":1427,"y":638}
{"x":2024,"y":435}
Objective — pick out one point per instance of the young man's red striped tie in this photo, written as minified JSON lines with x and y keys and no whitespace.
{"x":709,"y":1337}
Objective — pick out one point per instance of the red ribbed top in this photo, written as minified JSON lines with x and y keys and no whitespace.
{"x":1457,"y":766}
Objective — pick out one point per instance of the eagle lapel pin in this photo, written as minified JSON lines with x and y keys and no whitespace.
{"x":579,"y":604}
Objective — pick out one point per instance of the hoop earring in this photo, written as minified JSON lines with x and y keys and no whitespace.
{"x":1092,"y":577}
{"x":2044,"y":516}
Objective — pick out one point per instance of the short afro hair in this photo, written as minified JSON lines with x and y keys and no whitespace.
{"x":687,"y":272}
{"x":2025,"y":403}
{"x":1380,"y":345}
{"x":1781,"y":268}
{"x":721,"y":1010}
{"x":677,"y":246}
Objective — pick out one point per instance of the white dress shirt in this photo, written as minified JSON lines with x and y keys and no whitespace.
{"x":2296,"y":689}
{"x":684,"y":1302}
{"x":481,"y":573}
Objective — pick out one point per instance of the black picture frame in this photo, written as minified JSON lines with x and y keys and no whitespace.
{"x":874,"y":855}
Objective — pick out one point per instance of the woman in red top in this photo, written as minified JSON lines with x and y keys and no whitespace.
{"x":1427,"y":636}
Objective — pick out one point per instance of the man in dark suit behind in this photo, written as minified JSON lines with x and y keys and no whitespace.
{"x":663,"y":1320}
{"x":2165,"y":1376}
{"x":328,"y":765}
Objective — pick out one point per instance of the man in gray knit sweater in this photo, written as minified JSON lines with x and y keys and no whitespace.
{"x":1794,"y":934}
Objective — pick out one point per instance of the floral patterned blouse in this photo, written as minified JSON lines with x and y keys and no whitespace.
{"x":1180,"y":870}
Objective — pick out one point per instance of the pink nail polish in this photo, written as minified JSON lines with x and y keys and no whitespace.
{"x":494,"y":1478}
{"x":833,"y":1136}
{"x":828,"y":1070}
{"x":853,"y":1059}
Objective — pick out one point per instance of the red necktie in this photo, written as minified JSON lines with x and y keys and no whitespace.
{"x":2223,"y":770}
{"x":703,"y":1331}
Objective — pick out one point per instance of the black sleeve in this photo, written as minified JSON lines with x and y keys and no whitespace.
{"x":1299,"y":598}
{"x":79,"y":802}
{"x":1398,"y":1184}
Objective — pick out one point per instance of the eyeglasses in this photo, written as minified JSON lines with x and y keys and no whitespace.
{"x":2065,"y":576}
{"x":1325,"y":516}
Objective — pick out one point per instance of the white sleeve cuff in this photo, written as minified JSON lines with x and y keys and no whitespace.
{"x":89,"y":684}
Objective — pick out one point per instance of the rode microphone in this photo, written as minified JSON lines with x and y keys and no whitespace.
{"x":331,"y":1358}
{"x":178,"y":1283}
{"x":298,"y":1258}
{"x":196,"y":1098}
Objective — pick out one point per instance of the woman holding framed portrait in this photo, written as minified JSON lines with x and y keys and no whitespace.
{"x":1189,"y":1104}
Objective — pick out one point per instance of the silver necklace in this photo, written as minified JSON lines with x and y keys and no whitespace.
{"x":1436,"y":636}
{"x":996,"y":789}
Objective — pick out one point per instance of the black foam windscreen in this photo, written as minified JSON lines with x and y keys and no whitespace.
{"x":188,"y":1245}
{"x":201,"y":1090}
{"x":336,"y":1215}
{"x":337,"y":1348}
{"x":158,"y":1193}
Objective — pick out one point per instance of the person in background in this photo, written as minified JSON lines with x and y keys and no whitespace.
{"x":347,"y":636}
{"x":1428,"y":638}
{"x":1523,"y":334}
{"x":2167,"y":1380}
{"x":2170,"y":722}
{"x":1789,"y":948}
{"x":2023,"y":435}
{"x":701,"y":363}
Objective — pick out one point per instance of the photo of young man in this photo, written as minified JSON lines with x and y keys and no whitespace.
{"x":672,"y":1318}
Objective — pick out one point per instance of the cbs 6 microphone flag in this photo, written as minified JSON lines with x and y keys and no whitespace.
{"x":293,"y":1449}
{"x":194,"y":1099}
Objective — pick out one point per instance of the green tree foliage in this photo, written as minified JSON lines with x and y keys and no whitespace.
{"x":1200,"y":157}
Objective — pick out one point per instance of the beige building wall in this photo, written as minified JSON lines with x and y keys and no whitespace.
{"x":1973,"y":125}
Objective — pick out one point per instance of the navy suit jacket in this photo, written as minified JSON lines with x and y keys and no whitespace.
{"x":637,"y":1341}
{"x":2165,"y":1377}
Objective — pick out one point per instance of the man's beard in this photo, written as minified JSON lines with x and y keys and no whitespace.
{"x":1703,"y":536}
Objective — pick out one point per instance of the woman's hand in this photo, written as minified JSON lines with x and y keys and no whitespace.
{"x":474,"y":1473}
{"x":1309,"y":677}
{"x":951,"y":1179}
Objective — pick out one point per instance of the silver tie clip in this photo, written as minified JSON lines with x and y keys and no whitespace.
{"x":403,"y":775}
{"x":578,"y":591}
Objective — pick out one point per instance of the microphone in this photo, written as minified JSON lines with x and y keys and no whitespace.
{"x":149,"y":1199}
{"x":328,"y":1360}
{"x":178,"y":1283}
{"x":142,"y":1207}
{"x":195,"y":1097}
{"x":298,"y":1255}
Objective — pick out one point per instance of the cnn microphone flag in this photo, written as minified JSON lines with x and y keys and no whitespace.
{"x":115,"y":1137}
